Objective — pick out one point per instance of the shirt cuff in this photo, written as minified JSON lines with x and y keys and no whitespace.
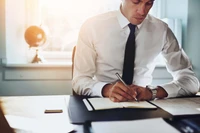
{"x":172,"y":89}
{"x":97,"y":89}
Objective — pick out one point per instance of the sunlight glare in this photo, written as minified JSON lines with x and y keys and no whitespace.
{"x":76,"y":8}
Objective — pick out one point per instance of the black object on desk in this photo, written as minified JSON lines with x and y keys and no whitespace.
{"x":79,"y":114}
{"x":186,"y":124}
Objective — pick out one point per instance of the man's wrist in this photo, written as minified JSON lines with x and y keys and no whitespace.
{"x":106,"y":90}
{"x":157,"y":92}
{"x":153,"y":90}
{"x":161,"y":92}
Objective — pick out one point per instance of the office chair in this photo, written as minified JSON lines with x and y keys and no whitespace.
{"x":73,"y":55}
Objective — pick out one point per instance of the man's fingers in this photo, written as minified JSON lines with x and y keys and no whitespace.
{"x":140,"y":93}
{"x":114,"y":99}
{"x":120,"y":93}
{"x":118,"y":97}
{"x":139,"y":98}
{"x":124,"y":94}
{"x":134,"y":90}
{"x":124,"y":90}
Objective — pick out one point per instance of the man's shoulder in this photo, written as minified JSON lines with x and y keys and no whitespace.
{"x":155,"y":20}
{"x":157,"y":24}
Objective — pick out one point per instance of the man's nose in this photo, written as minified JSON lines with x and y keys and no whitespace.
{"x":141,"y":9}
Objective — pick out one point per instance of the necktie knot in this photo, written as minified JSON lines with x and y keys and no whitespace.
{"x":132,"y":27}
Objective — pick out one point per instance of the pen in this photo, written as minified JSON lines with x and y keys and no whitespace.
{"x":53,"y":111}
{"x":119,"y":77}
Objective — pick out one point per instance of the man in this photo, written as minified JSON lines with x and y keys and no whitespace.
{"x":100,"y":53}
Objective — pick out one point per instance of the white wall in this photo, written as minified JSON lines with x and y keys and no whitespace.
{"x":35,"y":80}
{"x":178,"y":9}
{"x":2,"y":29}
{"x":193,"y":34}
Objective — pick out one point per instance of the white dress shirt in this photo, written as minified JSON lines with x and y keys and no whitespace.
{"x":100,"y":54}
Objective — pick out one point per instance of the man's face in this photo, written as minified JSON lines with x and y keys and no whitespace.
{"x":136,"y":10}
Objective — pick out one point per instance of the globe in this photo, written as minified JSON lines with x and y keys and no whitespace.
{"x":35,"y":36}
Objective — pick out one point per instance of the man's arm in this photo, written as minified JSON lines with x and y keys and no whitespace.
{"x":85,"y":64}
{"x":178,"y":64}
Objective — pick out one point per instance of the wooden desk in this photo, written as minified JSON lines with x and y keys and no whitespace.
{"x":27,"y":113}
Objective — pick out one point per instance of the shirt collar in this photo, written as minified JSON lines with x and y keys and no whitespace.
{"x":123,"y":21}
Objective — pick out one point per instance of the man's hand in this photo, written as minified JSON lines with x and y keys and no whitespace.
{"x":142,"y":93}
{"x":118,"y":92}
{"x":145,"y":94}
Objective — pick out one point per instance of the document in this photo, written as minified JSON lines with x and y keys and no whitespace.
{"x":38,"y":125}
{"x":180,"y":106}
{"x":106,"y":103}
{"x":154,"y":125}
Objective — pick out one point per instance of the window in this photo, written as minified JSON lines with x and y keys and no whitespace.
{"x":61,"y":20}
{"x":158,"y":9}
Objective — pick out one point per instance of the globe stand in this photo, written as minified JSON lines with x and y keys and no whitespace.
{"x":38,"y":58}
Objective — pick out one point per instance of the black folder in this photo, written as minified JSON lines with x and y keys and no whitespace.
{"x":186,"y":124}
{"x":79,"y":114}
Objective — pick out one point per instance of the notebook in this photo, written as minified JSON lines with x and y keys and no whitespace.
{"x":105,"y":103}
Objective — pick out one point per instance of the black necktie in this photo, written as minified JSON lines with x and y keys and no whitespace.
{"x":129,"y":57}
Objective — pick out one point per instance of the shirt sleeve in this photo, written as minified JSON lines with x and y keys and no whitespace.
{"x":178,"y":64}
{"x":83,"y":81}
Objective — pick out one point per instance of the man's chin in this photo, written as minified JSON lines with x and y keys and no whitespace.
{"x":137,"y":21}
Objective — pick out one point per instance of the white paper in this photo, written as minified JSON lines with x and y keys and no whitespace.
{"x":24,"y":124}
{"x":155,"y":125}
{"x":140,"y":104}
{"x":33,"y":125}
{"x":180,"y":106}
{"x":104,"y":103}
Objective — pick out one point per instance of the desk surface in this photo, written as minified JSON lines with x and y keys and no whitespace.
{"x":27,"y":113}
